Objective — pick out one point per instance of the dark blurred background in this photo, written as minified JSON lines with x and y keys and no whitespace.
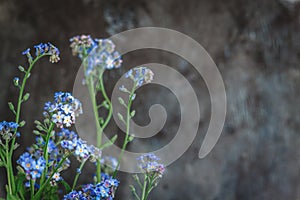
{"x":256,"y":46}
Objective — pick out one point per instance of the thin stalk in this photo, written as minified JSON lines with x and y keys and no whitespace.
{"x":110,"y":110}
{"x":8,"y":168}
{"x":152,"y":179}
{"x":2,"y":156}
{"x":98,"y":127}
{"x":144,"y":188}
{"x":11,"y":181}
{"x":45,"y":150}
{"x":31,"y":188}
{"x":128,"y":117}
{"x":78,"y":174}
{"x":136,"y":195}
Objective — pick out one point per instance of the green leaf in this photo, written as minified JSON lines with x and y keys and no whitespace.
{"x":22,"y":123}
{"x":105,"y":104}
{"x":28,"y":75}
{"x":26,"y":97}
{"x":20,"y":169}
{"x":67,"y":186}
{"x":134,"y":192}
{"x":120,"y":116}
{"x":121,"y":101}
{"x":37,"y":122}
{"x":20,"y":183}
{"x":12,"y":197}
{"x":16,"y":146}
{"x":52,"y":133}
{"x":36,"y":132}
{"x":21,"y":68}
{"x":12,"y":107}
{"x":20,"y":179}
{"x":130,"y":138}
{"x":132,"y":188}
{"x":101,"y":120}
{"x":47,"y":121}
{"x":40,"y":128}
{"x":110,"y":142}
{"x":132,"y":113}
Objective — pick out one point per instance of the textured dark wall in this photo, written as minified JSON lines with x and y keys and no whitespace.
{"x":255,"y":44}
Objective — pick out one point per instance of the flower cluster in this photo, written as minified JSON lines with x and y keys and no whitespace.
{"x":35,"y":152}
{"x":103,"y":191}
{"x":7,"y":129}
{"x":81,"y":149}
{"x":104,"y":56}
{"x":41,"y":166}
{"x":32,"y":166}
{"x":44,"y":49}
{"x":63,"y":110}
{"x":149,"y":165}
{"x":140,"y":75}
{"x":100,"y":53}
{"x":81,"y":45}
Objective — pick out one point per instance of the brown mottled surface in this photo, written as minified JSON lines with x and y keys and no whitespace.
{"x":255,"y":44}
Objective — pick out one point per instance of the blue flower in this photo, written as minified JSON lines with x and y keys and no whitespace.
{"x":25,"y":161}
{"x":56,"y":176}
{"x":16,"y":81}
{"x":58,"y":117}
{"x":66,"y":144}
{"x":67,"y":121}
{"x":82,"y":150}
{"x":27,"y":51}
{"x":39,"y":49}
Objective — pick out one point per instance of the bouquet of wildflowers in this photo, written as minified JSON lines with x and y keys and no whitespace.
{"x":39,"y":169}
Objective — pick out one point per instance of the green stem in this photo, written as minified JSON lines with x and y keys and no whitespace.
{"x":136,"y":195}
{"x":110,"y":110}
{"x":149,"y":189}
{"x":10,"y":177}
{"x":8,"y":168}
{"x":99,"y":131}
{"x":144,"y":188}
{"x":128,"y":117}
{"x":31,"y":188}
{"x":2,"y":156}
{"x":45,"y":151}
{"x":78,"y":174}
